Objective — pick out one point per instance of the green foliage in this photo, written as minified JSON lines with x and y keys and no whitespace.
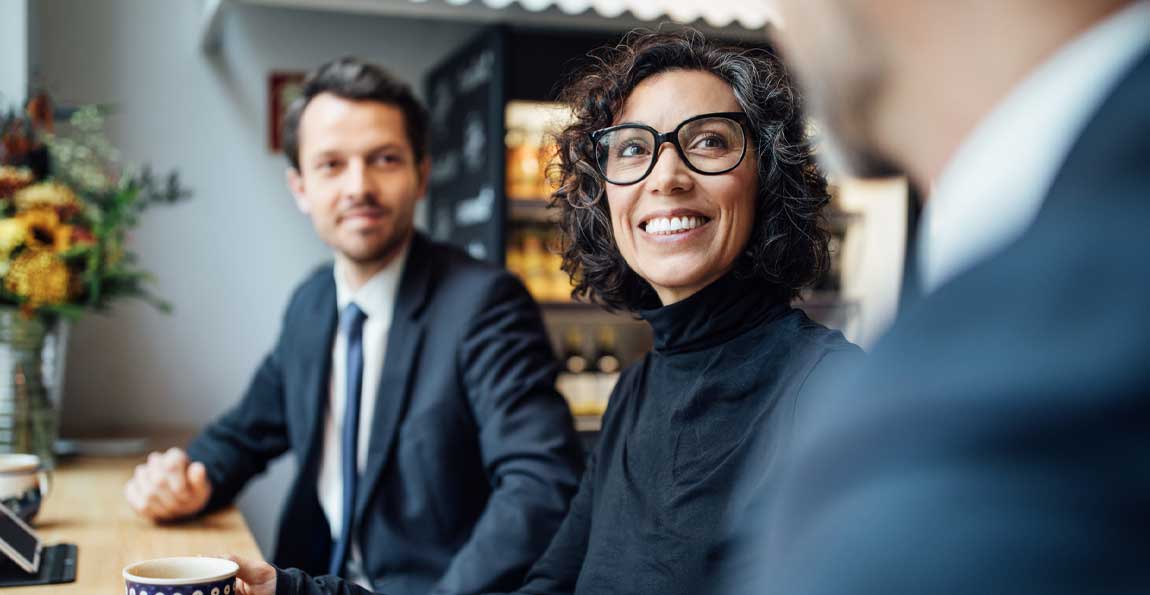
{"x":112,"y":198}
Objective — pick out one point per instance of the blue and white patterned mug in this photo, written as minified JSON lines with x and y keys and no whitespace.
{"x":181,"y":576}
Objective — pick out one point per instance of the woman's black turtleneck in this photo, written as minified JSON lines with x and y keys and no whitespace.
{"x":722,"y":383}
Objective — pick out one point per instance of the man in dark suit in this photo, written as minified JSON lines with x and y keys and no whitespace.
{"x":997,"y":439}
{"x":413,"y":385}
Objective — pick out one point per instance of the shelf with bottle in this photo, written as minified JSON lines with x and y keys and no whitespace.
{"x":531,"y":148}
{"x":592,"y":359}
{"x":533,"y":255}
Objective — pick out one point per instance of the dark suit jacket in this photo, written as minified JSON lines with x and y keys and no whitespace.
{"x":472,"y":457}
{"x":998,"y":440}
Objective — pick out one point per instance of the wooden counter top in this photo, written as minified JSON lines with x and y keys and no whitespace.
{"x":87,"y":507}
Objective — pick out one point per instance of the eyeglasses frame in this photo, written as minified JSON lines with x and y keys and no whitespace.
{"x":672,"y":137}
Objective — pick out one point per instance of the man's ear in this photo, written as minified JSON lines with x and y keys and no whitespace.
{"x":424,"y":176}
{"x":296,"y":185}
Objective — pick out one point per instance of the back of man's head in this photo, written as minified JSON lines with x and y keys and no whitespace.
{"x":880,"y":73}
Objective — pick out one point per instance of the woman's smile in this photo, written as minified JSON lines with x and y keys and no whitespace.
{"x":674,"y":226}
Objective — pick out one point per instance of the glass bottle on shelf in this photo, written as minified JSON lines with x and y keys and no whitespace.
{"x":606,"y":359}
{"x":534,"y":260}
{"x":548,"y":154}
{"x":574,"y":361}
{"x":607,"y":365}
{"x":523,"y":169}
{"x":558,"y":281}
{"x":575,"y":382}
{"x":531,"y":146}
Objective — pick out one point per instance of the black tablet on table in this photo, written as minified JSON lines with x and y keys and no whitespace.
{"x":26,"y":561}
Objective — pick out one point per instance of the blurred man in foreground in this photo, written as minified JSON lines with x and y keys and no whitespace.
{"x":997,"y":439}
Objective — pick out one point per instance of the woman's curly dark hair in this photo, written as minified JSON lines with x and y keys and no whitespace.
{"x":787,"y":248}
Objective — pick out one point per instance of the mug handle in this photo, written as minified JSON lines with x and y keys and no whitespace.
{"x":45,"y":477}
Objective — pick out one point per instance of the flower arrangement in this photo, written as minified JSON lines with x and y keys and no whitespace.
{"x":66,"y":205}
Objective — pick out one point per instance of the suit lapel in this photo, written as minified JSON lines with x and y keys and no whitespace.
{"x":404,"y":343}
{"x":317,"y":333}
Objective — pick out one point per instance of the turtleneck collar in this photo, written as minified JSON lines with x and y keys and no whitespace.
{"x":713,"y":315}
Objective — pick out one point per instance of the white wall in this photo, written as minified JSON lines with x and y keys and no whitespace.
{"x":229,"y":258}
{"x":13,"y":52}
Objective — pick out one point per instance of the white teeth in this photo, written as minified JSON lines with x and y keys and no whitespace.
{"x":669,"y":225}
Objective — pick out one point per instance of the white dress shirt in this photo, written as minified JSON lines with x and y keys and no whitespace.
{"x":993,"y":187}
{"x":377,"y":299}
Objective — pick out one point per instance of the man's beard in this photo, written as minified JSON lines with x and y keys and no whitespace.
{"x":384,"y":247}
{"x":384,"y":251}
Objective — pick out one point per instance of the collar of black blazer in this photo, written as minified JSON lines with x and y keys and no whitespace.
{"x":415,"y":284}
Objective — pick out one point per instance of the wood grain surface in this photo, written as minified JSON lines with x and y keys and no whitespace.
{"x":87,"y":507}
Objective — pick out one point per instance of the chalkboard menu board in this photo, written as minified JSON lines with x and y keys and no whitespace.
{"x":466,"y":191}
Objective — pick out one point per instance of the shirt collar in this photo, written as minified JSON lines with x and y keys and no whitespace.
{"x":376,"y":297}
{"x":993,"y":187}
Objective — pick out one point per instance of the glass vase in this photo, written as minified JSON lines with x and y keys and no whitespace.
{"x":31,"y":374}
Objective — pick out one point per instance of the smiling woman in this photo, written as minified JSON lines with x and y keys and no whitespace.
{"x":713,"y":138}
{"x":689,"y":196}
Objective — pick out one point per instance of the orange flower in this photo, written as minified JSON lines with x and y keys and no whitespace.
{"x":45,"y":230}
{"x":39,"y":109}
{"x":38,"y":276}
{"x":63,"y":239}
{"x":41,"y":225}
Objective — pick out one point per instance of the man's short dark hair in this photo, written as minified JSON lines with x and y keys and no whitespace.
{"x":355,"y":80}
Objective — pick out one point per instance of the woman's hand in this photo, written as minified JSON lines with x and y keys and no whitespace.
{"x":256,"y":577}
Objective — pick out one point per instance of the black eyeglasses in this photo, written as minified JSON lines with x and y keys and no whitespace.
{"x":710,"y":144}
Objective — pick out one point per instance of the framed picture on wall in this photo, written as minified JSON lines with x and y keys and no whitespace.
{"x":283,"y":88}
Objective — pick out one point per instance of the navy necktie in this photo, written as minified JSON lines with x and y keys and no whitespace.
{"x":352,"y":322}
